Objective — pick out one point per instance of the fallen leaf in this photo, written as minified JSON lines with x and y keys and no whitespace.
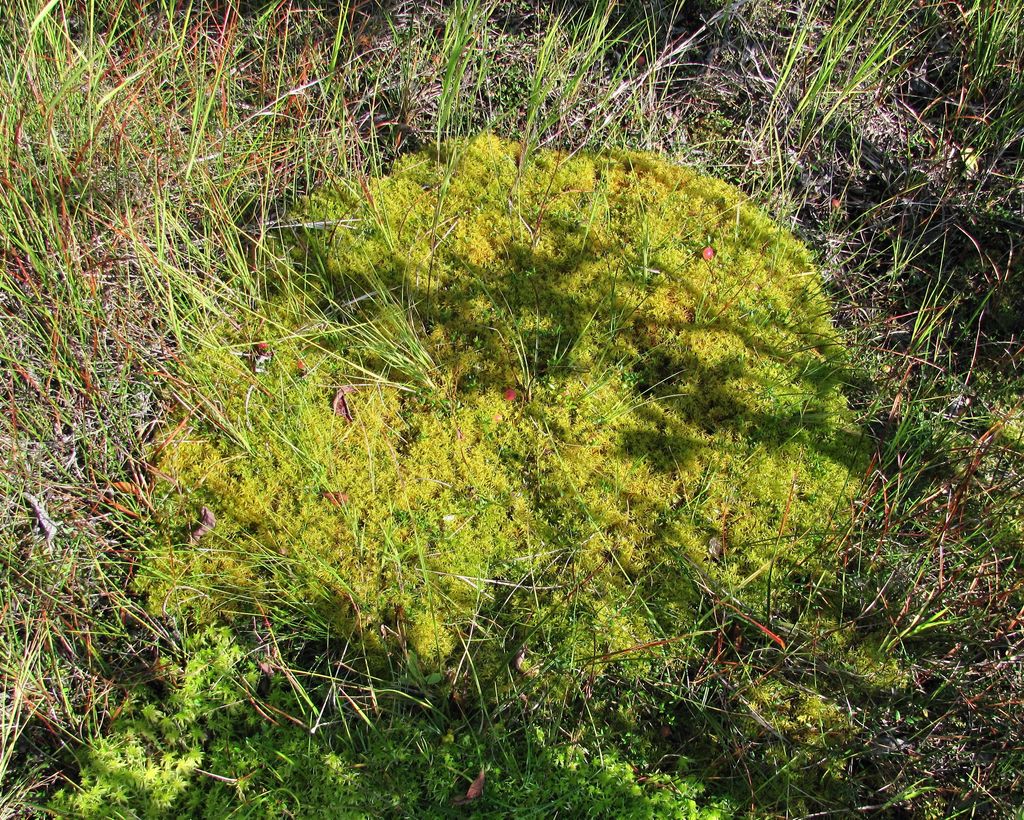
{"x":46,"y":524}
{"x":340,"y":404}
{"x":716,"y":547}
{"x":130,"y":488}
{"x":519,"y":663}
{"x":475,"y":790}
{"x":207,"y":522}
{"x":336,"y":498}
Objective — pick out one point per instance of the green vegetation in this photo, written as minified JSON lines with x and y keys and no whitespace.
{"x":153,"y":765}
{"x":502,"y":405}
{"x":379,"y":440}
{"x":549,"y":394}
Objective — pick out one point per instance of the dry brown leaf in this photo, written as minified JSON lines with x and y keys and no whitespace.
{"x":519,"y":663}
{"x":46,"y":524}
{"x":207,"y":522}
{"x":340,"y":404}
{"x":475,"y":790}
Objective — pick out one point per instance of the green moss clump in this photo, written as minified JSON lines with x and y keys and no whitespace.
{"x":560,"y":420}
{"x":201,"y":750}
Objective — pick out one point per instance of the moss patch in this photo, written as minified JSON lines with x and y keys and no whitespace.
{"x":502,"y":400}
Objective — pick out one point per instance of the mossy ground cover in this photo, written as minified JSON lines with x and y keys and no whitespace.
{"x":600,"y":542}
{"x":498,"y":385}
{"x":505,"y":420}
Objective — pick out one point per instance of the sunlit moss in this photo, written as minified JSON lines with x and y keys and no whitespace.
{"x":563,"y":413}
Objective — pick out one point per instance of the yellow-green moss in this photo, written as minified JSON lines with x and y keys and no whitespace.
{"x":672,"y":415}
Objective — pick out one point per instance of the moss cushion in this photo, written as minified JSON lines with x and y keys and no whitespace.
{"x":498,"y":401}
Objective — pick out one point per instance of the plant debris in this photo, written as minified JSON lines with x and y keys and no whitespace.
{"x":207,"y":521}
{"x":519,"y":663}
{"x":46,"y":524}
{"x":475,"y":790}
{"x":261,"y":355}
{"x":340,"y":403}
